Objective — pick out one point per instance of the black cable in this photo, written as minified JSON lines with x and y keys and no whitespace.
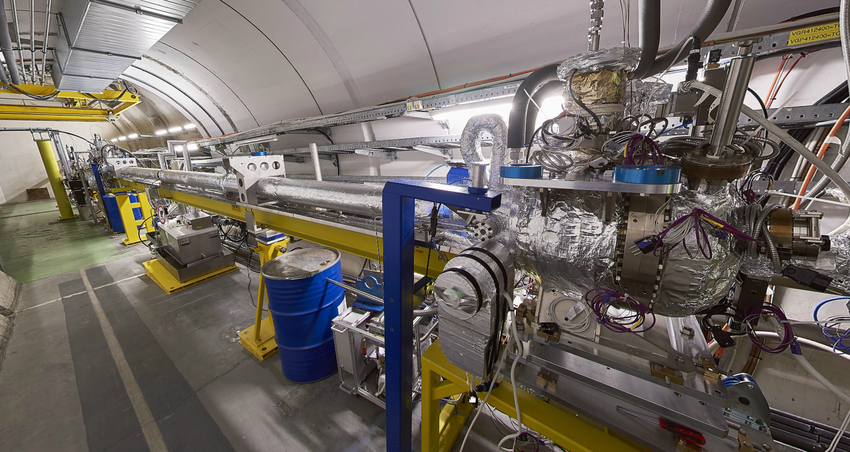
{"x":582,"y":105}
{"x":760,"y":101}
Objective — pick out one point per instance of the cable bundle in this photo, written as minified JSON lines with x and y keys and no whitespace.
{"x":641,"y":148}
{"x":634,"y":316}
{"x":677,"y":233}
{"x":784,"y":329}
{"x":831,"y":328}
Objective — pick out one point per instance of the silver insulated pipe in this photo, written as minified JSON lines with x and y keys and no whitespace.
{"x":6,"y":47}
{"x":345,"y":197}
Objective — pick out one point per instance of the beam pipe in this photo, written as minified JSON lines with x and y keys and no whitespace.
{"x":48,"y":158}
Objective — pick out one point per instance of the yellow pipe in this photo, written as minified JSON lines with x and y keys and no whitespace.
{"x":52,"y":168}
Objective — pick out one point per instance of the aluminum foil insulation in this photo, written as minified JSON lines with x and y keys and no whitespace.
{"x":615,"y":59}
{"x":572,"y":248}
{"x":470,"y":144}
{"x":472,"y":309}
{"x":358,"y":199}
{"x":691,"y":283}
{"x":643,"y":98}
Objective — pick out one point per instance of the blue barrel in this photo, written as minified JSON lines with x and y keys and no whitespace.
{"x":303,"y":305}
{"x":113,"y":213}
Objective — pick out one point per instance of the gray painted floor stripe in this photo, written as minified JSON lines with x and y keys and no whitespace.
{"x":107,"y":411}
{"x":153,"y":436}
{"x":182,"y":418}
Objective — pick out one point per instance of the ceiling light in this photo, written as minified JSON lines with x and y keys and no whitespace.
{"x":132,"y":136}
{"x":161,"y":132}
{"x":175,"y":129}
{"x":192,"y":147}
{"x":178,"y":148}
{"x":189,"y":126}
{"x":122,"y":138}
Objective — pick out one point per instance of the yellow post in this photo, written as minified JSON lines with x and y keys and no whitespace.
{"x":258,"y":338}
{"x":55,"y":178}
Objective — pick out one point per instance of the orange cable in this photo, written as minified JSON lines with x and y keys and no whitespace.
{"x":824,"y":146}
{"x":769,"y":96}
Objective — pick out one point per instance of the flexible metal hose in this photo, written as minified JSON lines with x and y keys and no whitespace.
{"x":708,"y":21}
{"x":649,"y":34}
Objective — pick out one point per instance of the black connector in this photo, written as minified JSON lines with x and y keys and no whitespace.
{"x":808,"y":278}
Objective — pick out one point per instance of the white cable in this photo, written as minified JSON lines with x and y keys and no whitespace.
{"x":789,"y":195}
{"x":492,"y":383}
{"x":839,"y":434}
{"x":520,"y":353}
{"x":812,"y":371}
{"x":839,"y":181}
{"x":577,"y":324}
{"x":801,"y":340}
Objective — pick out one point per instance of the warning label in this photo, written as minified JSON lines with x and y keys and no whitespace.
{"x":814,"y":34}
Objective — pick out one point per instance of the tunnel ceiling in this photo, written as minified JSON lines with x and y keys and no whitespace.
{"x":237,"y":64}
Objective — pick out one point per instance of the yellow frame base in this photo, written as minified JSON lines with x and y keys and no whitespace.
{"x":170,"y":284}
{"x":265,"y":346}
{"x":440,"y":428}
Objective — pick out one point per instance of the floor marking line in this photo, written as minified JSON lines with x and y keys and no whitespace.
{"x":143,"y":412}
{"x":78,"y":293}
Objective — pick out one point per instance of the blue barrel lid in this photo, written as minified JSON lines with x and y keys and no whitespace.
{"x":647,"y":174}
{"x":301,"y":264}
{"x":521,"y":171}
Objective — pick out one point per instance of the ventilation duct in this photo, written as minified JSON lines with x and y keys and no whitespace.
{"x":99,"y":39}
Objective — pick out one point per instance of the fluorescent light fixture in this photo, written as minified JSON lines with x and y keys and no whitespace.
{"x":460,"y":115}
{"x":161,"y":132}
{"x":122,"y":138}
{"x":174,"y":129}
{"x":178,"y":148}
{"x":114,"y":140}
{"x":189,"y":126}
{"x":132,"y":136}
{"x":192,"y":147}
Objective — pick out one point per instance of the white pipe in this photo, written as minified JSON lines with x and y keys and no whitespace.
{"x":809,"y":368}
{"x":803,"y":341}
{"x":794,"y":144}
{"x":317,"y":167}
{"x":32,"y":40}
{"x":789,"y":195}
{"x":44,"y":42}
{"x":18,"y":39}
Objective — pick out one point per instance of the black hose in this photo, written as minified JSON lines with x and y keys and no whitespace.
{"x":544,"y":92}
{"x":649,"y":26}
{"x":519,"y":106}
{"x":708,"y":21}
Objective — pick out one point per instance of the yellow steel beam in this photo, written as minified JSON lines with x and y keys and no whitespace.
{"x":360,"y":244}
{"x":31,"y":109}
{"x":47,"y":90}
{"x":34,"y":117}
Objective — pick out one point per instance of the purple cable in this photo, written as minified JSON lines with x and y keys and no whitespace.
{"x":601,"y":299}
{"x":644,"y":147}
{"x":788,"y":333}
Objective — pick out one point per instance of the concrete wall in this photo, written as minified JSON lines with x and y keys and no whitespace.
{"x":20,"y":163}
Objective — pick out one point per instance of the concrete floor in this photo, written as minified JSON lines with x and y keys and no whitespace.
{"x":100,"y":346}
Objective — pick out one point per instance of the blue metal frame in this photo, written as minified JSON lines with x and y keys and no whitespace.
{"x":399,"y":198}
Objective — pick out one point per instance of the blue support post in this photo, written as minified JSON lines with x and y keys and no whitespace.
{"x":399,"y":198}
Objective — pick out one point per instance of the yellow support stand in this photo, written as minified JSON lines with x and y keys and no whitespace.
{"x":441,"y":428}
{"x":131,"y":220}
{"x":257,"y":338}
{"x":48,"y":158}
